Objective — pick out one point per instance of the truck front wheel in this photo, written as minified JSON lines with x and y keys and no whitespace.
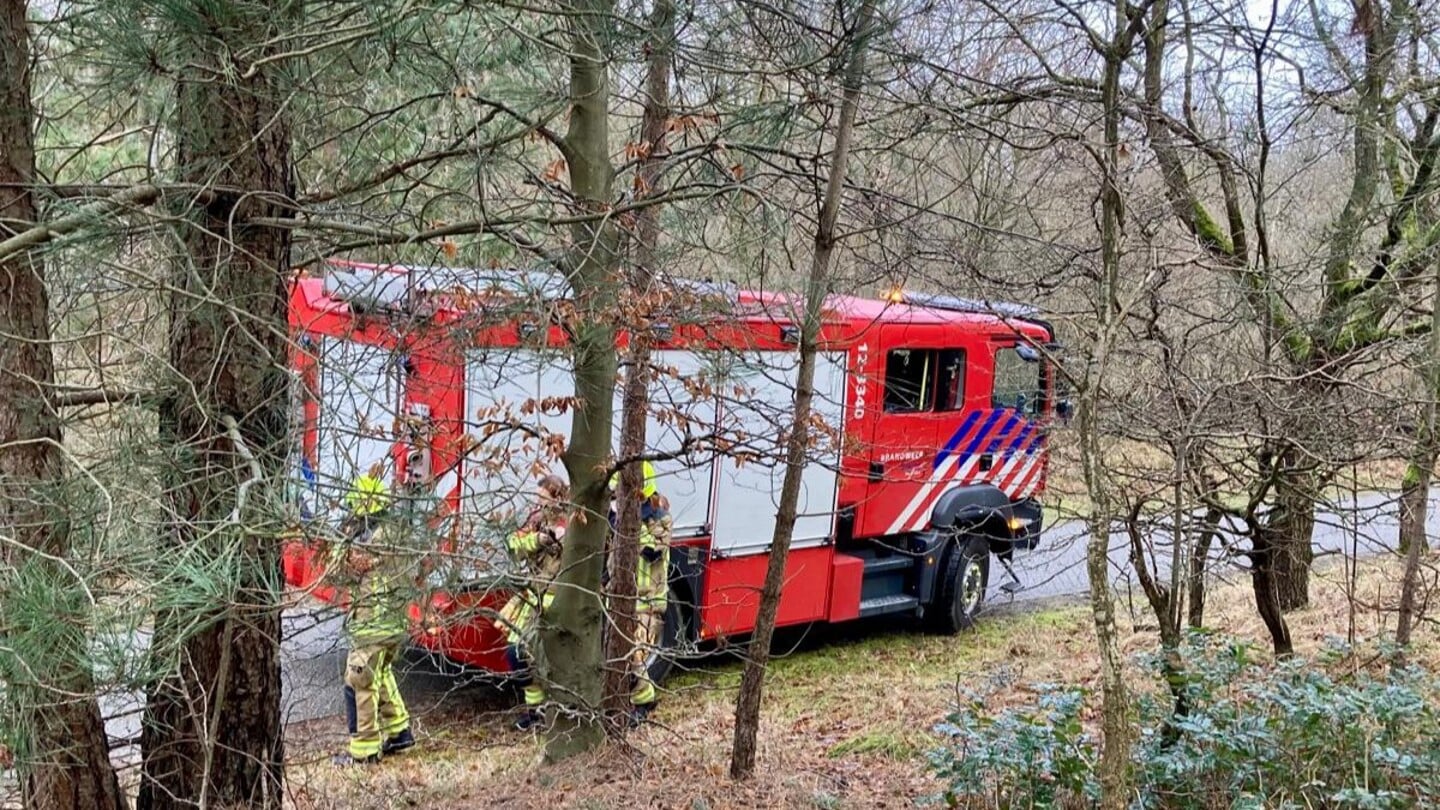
{"x":963,"y":580}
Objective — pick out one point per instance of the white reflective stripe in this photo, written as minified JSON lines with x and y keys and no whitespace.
{"x":448,"y":485}
{"x":1013,"y":484}
{"x":1003,"y":476}
{"x":1034,"y":475}
{"x":1011,"y":463}
{"x":936,"y":479}
{"x":923,"y":518}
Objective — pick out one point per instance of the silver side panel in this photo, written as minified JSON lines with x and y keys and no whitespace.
{"x":680,"y":424}
{"x":516,"y":407}
{"x":517,"y":404}
{"x":506,"y":396}
{"x":756,"y":409}
{"x":359,"y":403}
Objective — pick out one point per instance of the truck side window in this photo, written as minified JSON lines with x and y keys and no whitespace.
{"x":1017,"y":384}
{"x":951,"y":386}
{"x":909,"y":380}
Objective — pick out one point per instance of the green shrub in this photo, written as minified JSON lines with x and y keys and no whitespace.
{"x":1036,"y":756}
{"x":1255,"y":736}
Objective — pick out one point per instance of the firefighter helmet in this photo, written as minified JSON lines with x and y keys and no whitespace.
{"x":367,"y":496}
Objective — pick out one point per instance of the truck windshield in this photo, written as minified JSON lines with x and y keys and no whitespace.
{"x":1018,"y":381}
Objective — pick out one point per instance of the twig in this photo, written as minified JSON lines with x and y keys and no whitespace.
{"x":103,"y":396}
{"x":42,"y":233}
{"x":256,"y":471}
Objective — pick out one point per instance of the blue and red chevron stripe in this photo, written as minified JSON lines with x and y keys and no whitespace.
{"x":1015,"y":446}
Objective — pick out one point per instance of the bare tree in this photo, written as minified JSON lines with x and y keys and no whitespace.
{"x":1359,"y":286}
{"x":1115,"y":755}
{"x":1413,"y":510}
{"x":858,"y":32}
{"x":651,"y":149}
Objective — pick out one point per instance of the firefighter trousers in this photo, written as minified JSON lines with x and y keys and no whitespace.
{"x":648,"y":624}
{"x":375,"y":709}
{"x":522,"y":671}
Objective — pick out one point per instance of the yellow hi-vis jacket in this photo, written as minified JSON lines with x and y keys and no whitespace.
{"x":538,"y":550}
{"x":379,"y":608}
{"x":652,"y":571}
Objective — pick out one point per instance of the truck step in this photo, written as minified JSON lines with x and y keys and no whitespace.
{"x":879,"y":605}
{"x":896,"y":562}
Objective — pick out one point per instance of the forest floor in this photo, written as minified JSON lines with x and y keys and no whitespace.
{"x":848,"y":716}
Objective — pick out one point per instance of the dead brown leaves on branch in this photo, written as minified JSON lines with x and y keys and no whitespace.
{"x":554,"y":171}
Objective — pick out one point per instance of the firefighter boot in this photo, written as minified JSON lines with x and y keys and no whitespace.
{"x":403,"y":741}
{"x":640,"y":711}
{"x":530,"y":717}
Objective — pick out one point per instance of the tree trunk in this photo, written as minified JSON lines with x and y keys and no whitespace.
{"x":1415,"y":505}
{"x":212,"y":731}
{"x":570,"y":634}
{"x":635,"y":400}
{"x":1114,"y":766}
{"x":1280,"y":550}
{"x":1414,"y":500}
{"x":1267,"y":596}
{"x":64,"y":759}
{"x":797,"y":443}
{"x":1290,"y":528}
{"x":624,"y":542}
{"x":1164,"y":603}
{"x":1199,"y":564}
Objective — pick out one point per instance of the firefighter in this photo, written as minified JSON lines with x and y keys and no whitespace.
{"x":536,"y":547}
{"x":377,"y":625}
{"x":652,"y":587}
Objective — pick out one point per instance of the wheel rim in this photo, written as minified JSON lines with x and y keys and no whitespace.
{"x":972,"y":587}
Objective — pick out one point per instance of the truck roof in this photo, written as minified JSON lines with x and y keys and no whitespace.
{"x":344,"y":281}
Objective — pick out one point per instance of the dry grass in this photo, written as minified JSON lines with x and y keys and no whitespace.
{"x":847,"y":716}
{"x":1366,"y":599}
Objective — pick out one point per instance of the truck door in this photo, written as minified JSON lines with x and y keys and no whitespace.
{"x":922,"y":384}
{"x":1019,"y":391}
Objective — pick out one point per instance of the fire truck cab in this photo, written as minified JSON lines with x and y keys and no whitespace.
{"x":933,"y":420}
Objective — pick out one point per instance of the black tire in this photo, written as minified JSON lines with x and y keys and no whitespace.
{"x":672,"y":637}
{"x":961,"y":592}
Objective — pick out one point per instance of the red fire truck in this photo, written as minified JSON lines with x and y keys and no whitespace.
{"x":937,"y":412}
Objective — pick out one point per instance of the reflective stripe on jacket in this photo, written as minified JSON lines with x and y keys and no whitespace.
{"x":652,"y":583}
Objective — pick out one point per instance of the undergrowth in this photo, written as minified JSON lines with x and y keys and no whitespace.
{"x":1299,"y":734}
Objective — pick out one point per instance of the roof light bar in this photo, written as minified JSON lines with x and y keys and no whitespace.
{"x":978,"y":306}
